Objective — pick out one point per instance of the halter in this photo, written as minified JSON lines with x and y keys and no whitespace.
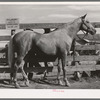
{"x":87,"y":31}
{"x":88,"y":28}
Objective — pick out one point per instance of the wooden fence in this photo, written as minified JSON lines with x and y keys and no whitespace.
{"x":76,"y":66}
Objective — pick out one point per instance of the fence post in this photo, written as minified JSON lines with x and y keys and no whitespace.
{"x":77,"y":74}
{"x":74,"y":43}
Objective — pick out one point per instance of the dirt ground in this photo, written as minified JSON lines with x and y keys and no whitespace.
{"x":51,"y":82}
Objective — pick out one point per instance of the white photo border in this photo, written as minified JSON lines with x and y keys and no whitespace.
{"x":49,"y":93}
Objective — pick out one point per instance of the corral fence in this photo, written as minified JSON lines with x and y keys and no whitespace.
{"x":76,"y":59}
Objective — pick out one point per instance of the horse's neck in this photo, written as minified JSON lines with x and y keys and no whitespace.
{"x":73,"y":28}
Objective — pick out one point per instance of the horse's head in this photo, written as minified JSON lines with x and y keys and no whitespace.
{"x":87,"y":26}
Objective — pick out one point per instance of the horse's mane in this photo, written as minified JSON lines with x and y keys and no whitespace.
{"x":68,"y":23}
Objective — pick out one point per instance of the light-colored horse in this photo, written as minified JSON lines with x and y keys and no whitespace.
{"x":47,"y":47}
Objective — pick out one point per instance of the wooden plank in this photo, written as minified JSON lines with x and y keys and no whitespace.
{"x":84,"y":58}
{"x":69,"y":58}
{"x":86,"y":47}
{"x":87,"y":58}
{"x":3,"y":60}
{"x":68,"y":69}
{"x":77,"y":58}
{"x":83,"y":68}
{"x":89,"y":37}
{"x":1,"y":48}
{"x":5,"y":38}
{"x":33,"y":69}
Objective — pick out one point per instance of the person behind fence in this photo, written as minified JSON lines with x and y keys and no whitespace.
{"x":13,"y":32}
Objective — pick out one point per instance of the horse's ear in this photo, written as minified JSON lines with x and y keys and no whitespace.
{"x":83,"y":17}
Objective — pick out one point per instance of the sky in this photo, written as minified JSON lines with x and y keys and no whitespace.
{"x":48,"y":13}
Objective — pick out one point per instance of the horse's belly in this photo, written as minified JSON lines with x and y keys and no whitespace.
{"x":46,"y":55}
{"x":47,"y":50}
{"x":46,"y":58}
{"x":42,"y":58}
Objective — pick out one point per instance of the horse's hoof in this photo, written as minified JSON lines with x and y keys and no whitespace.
{"x":67,"y":84}
{"x":17,"y":86}
{"x":30,"y":75}
{"x":10,"y":82}
{"x":27,"y":83}
{"x":44,"y":78}
{"x":60,"y":83}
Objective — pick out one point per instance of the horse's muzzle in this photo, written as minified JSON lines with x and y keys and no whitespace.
{"x":92,"y":32}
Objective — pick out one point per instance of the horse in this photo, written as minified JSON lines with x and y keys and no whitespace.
{"x":52,"y":46}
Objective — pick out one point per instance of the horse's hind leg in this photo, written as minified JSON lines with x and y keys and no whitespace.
{"x":19,"y":64}
{"x":23,"y":72}
{"x":64,"y":70}
{"x":12,"y":74}
{"x":59,"y":71}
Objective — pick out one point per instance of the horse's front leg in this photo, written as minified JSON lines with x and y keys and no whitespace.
{"x":30,"y":75}
{"x":46,"y":71}
{"x":11,"y":78}
{"x":64,"y":58}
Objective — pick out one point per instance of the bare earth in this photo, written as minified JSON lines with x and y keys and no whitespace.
{"x":51,"y":82}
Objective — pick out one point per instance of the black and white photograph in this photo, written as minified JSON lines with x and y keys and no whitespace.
{"x":50,"y":46}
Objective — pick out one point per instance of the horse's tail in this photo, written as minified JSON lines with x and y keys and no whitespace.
{"x":11,"y":53}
